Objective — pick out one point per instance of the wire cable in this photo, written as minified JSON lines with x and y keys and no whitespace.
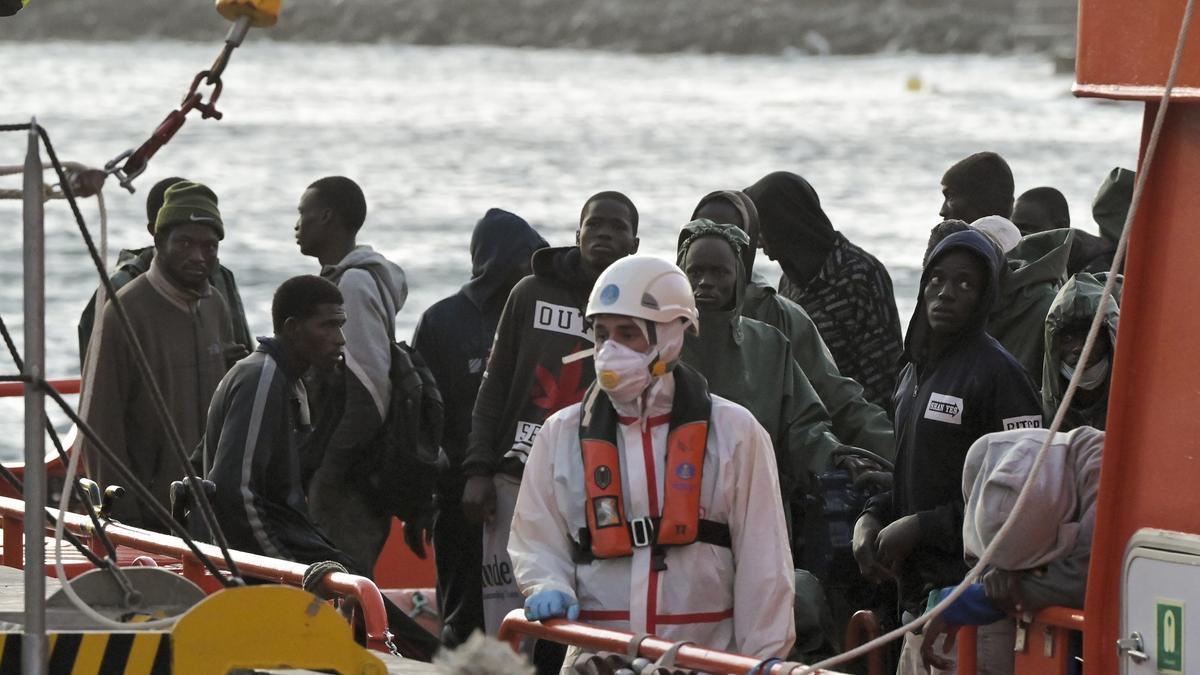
{"x":143,"y":365}
{"x":65,"y":584}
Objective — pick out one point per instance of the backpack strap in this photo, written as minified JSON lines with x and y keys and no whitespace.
{"x":385,"y":298}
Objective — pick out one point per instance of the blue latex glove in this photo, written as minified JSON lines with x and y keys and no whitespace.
{"x":550,"y":604}
{"x":972,"y":608}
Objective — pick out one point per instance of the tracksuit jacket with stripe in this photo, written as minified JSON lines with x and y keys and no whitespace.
{"x":257,"y":423}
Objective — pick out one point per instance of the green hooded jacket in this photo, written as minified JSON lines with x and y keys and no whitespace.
{"x":1037,"y":268}
{"x":751,"y":364}
{"x":855,"y":420}
{"x":1076,"y":303}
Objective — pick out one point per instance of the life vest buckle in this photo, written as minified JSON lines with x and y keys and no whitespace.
{"x":642,"y":532}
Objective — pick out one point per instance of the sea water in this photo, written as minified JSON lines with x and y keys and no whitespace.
{"x":437,"y":135}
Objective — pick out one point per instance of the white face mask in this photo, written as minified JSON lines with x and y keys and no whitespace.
{"x":621,"y":372}
{"x":1091,"y":379}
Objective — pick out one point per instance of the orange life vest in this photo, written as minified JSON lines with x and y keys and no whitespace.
{"x":609,"y":533}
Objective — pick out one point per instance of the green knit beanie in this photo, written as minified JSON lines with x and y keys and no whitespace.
{"x":188,"y":202}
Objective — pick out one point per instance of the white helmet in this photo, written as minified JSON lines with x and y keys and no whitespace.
{"x":644,"y":287}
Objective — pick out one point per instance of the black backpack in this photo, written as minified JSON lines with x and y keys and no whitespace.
{"x":405,"y":458}
{"x":403,"y":465}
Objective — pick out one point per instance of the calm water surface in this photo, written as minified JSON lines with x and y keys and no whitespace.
{"x":436,"y":136}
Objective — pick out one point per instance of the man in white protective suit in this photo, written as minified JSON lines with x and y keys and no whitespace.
{"x":652,"y":506}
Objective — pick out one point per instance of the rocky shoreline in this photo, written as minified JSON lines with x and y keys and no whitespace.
{"x":643,"y":26}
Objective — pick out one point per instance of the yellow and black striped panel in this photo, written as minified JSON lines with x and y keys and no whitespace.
{"x":140,"y":653}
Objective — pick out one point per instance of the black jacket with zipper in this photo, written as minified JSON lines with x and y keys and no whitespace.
{"x":943,"y":403}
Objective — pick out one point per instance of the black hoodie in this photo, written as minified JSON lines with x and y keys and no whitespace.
{"x":846,"y":291}
{"x":526,"y":380}
{"x":455,"y":334}
{"x":944,"y":402}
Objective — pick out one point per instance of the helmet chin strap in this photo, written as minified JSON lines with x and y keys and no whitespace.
{"x":657,"y":366}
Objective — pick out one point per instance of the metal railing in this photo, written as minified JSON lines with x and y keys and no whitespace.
{"x":63,"y":386}
{"x":862,"y":628}
{"x":605,"y":639}
{"x":367,"y":600}
{"x":1042,"y":647}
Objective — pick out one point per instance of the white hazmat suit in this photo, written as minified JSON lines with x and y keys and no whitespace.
{"x":735,"y":599}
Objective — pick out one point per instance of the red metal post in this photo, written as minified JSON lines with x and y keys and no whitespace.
{"x":967,"y":657}
{"x":862,"y":628}
{"x":14,"y":540}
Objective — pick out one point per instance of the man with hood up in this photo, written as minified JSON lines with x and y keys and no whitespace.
{"x":958,"y":385}
{"x":651,"y":505}
{"x":455,"y":336}
{"x":1034,"y":271}
{"x":846,"y":291}
{"x":855,"y":420}
{"x":1042,"y":563}
{"x":1110,"y":208}
{"x":526,"y":380}
{"x":332,"y":211}
{"x":1066,"y":329}
{"x":749,"y":362}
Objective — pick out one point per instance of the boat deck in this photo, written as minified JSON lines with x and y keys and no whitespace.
{"x":12,"y":599}
{"x":12,"y":589}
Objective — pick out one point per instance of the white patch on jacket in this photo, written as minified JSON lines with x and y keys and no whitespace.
{"x":561,"y":319}
{"x":944,"y":408}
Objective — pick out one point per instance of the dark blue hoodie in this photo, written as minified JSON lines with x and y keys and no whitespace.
{"x":943,"y":403}
{"x":455,"y":334}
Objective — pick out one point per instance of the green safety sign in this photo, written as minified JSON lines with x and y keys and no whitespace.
{"x":1169,"y":630}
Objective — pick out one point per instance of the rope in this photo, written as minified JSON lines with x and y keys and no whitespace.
{"x":1093,"y":332}
{"x":65,"y":584}
{"x":48,"y":191}
{"x":147,"y":375}
{"x":13,"y":169}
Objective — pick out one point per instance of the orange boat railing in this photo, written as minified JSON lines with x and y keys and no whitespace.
{"x":63,"y":386}
{"x":607,"y":640}
{"x":367,"y":600}
{"x":864,"y":627}
{"x":1044,"y":648}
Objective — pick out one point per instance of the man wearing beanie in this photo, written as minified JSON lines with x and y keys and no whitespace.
{"x":977,"y":186}
{"x":184,"y":331}
{"x":132,"y":263}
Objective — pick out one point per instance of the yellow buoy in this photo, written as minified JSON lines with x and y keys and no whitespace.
{"x":262,"y":13}
{"x":913,"y":83}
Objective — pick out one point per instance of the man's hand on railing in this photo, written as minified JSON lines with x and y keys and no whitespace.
{"x":1004,"y":590}
{"x":933,"y":630}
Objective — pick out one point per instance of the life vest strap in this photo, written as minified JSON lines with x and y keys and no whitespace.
{"x":707,"y":532}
